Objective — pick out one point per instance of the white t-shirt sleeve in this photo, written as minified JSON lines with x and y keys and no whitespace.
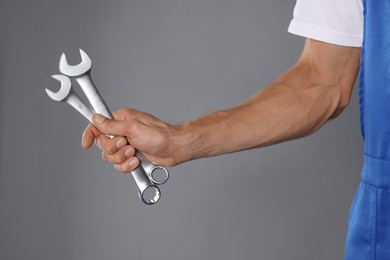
{"x":333,"y":21}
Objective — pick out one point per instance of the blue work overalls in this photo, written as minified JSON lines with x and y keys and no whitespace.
{"x":368,"y":235}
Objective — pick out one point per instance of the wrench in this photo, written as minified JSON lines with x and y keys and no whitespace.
{"x":147,"y":191}
{"x":82,"y":74}
{"x":67,"y":95}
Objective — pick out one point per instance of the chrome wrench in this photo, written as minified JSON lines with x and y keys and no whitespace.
{"x":147,"y":191}
{"x":82,"y":74}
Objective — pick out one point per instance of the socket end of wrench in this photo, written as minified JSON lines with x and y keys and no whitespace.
{"x":75,"y":70}
{"x":66,"y":86}
{"x":150,"y":195}
{"x":159,"y":175}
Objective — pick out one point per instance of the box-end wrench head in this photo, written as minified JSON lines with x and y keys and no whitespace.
{"x":157,"y":174}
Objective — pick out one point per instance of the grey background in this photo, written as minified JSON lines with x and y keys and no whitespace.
{"x":176,"y":59}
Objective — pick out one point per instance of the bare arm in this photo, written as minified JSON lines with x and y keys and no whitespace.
{"x":317,"y":88}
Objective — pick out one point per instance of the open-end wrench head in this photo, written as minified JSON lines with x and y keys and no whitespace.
{"x":75,"y":70}
{"x":66,"y":86}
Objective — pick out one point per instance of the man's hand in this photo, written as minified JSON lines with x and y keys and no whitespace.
{"x":133,"y":130}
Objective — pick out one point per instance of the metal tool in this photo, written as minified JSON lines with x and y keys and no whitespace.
{"x":82,"y":74}
{"x":147,"y":191}
{"x":67,"y":95}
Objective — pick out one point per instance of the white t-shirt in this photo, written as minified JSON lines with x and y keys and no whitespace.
{"x":334,"y":21}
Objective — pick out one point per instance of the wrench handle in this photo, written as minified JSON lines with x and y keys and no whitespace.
{"x":93,"y":95}
{"x":75,"y":101}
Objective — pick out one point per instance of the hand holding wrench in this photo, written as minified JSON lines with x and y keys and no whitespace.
{"x":81,"y":73}
{"x":147,"y":191}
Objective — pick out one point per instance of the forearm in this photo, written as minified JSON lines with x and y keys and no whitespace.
{"x":295,"y":105}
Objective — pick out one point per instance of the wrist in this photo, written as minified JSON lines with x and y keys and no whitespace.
{"x":184,"y":140}
{"x":202,"y":138}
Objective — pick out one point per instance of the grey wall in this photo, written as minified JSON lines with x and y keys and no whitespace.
{"x":176,"y":59}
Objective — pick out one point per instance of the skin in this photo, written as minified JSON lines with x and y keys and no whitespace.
{"x":313,"y":91}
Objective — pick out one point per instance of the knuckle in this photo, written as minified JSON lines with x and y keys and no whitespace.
{"x":110,"y":149}
{"x":118,"y":158}
{"x":109,"y":146}
{"x":133,"y":128}
{"x":105,"y":125}
{"x":123,"y":111}
{"x":128,"y":112}
{"x":110,"y":124}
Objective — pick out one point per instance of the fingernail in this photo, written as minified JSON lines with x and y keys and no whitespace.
{"x":116,"y":166}
{"x":133,"y":162}
{"x":99,"y":118}
{"x":129,"y":152}
{"x":120,"y":143}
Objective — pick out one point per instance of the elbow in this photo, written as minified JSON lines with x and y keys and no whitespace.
{"x":342,"y":99}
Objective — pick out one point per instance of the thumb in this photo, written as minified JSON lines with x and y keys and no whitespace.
{"x":108,"y":126}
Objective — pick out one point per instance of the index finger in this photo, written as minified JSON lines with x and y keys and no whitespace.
{"x":89,"y":135}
